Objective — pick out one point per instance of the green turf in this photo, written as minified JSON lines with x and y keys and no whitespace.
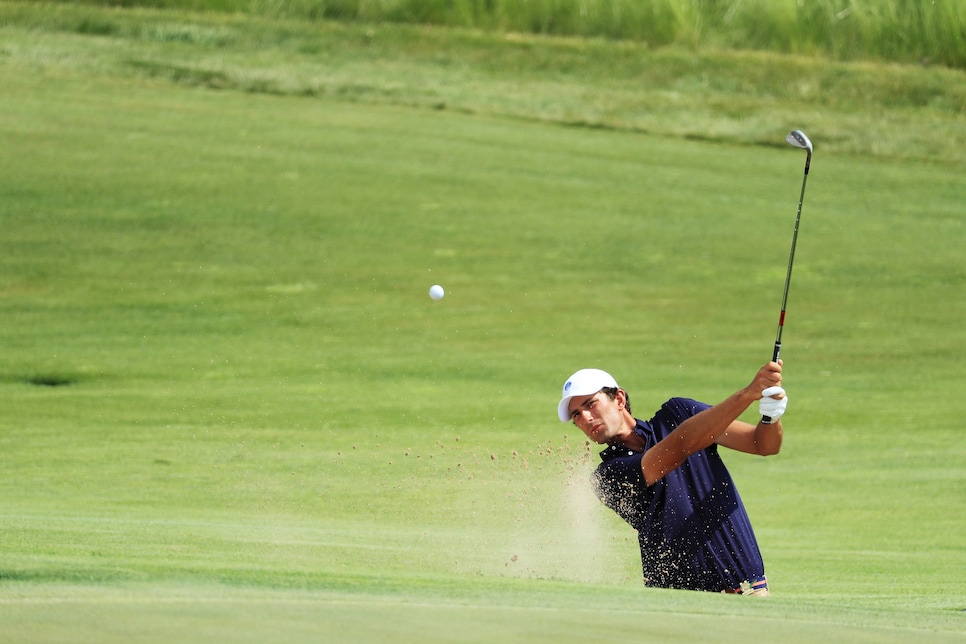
{"x":231,"y":410}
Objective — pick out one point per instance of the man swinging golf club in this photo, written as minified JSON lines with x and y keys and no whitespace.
{"x":664,"y":476}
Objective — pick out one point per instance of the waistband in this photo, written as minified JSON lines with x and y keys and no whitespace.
{"x":754,"y":586}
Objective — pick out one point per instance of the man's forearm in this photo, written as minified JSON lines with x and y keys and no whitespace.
{"x":768,"y":438}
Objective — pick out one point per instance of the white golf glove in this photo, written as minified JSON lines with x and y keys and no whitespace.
{"x":770,"y":406}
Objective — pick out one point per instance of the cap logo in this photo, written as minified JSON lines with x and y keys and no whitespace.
{"x":567,"y":386}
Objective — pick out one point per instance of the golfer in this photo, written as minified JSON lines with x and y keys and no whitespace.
{"x":664,"y":476}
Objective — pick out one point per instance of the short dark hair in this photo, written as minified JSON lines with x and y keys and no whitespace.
{"x":612,"y":393}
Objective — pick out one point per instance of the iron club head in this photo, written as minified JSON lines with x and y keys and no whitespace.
{"x":799,"y":140}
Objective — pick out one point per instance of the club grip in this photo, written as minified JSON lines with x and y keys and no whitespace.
{"x":766,"y":420}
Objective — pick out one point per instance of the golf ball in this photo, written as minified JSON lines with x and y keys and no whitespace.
{"x":436,"y":292}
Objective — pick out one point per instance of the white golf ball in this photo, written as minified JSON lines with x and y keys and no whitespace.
{"x":436,"y":292}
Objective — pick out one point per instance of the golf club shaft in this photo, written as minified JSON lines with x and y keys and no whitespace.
{"x":788,"y":275}
{"x":799,"y":139}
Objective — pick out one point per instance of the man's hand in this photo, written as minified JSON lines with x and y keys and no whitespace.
{"x":773,"y":403}
{"x":770,"y":375}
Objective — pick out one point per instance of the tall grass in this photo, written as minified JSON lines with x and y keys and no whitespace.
{"x":898,"y":30}
{"x":916,"y":31}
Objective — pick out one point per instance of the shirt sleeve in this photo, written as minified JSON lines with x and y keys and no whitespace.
{"x":674,"y":412}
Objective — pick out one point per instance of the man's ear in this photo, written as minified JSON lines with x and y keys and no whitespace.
{"x":621,"y":399}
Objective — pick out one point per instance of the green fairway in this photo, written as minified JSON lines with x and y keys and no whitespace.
{"x":232,"y":411}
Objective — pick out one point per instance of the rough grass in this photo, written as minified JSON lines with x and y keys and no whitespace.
{"x":893,"y":111}
{"x":905,"y":31}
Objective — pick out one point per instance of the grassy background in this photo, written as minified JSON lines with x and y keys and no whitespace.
{"x":231,"y":410}
{"x":907,"y":112}
{"x":906,"y":31}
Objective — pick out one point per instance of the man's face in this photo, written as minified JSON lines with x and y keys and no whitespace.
{"x":598,"y":417}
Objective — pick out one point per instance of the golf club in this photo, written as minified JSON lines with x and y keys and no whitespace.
{"x":798,"y":139}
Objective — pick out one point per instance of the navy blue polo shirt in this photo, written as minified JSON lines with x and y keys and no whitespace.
{"x":692,"y":527}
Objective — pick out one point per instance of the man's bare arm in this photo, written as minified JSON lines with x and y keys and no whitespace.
{"x":706,"y":427}
{"x":761,"y":439}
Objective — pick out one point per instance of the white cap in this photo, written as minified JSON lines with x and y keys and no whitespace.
{"x":583,"y":383}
